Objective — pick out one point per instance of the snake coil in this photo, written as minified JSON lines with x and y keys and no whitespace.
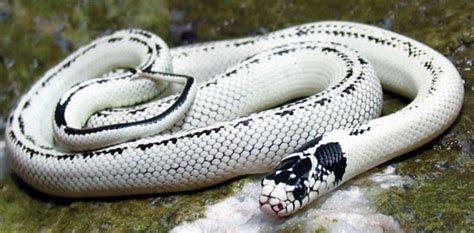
{"x":75,"y":135}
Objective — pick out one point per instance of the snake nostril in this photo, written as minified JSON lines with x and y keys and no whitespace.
{"x":280,"y":206}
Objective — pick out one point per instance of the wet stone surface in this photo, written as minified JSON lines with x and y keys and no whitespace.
{"x":37,"y":35}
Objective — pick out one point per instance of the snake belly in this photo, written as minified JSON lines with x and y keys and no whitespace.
{"x":213,"y":141}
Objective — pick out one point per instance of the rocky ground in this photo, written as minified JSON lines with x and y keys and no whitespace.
{"x":36,"y":35}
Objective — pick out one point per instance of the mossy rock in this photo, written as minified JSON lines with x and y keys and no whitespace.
{"x":38,"y":34}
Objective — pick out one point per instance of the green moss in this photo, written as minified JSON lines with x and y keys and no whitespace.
{"x":297,"y":228}
{"x":291,"y":229}
{"x":320,"y":230}
{"x":440,"y":198}
{"x":442,"y":171}
{"x":25,"y":210}
{"x":417,"y":208}
{"x":37,"y":34}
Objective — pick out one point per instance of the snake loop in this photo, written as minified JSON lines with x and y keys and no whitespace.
{"x":242,"y":118}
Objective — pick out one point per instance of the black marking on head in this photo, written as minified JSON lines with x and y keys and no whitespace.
{"x":309,"y":144}
{"x":302,"y":167}
{"x":299,"y":192}
{"x":331,"y":158}
{"x":287,"y":163}
{"x":280,"y":176}
{"x":292,"y":170}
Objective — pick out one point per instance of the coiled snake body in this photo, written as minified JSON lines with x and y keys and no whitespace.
{"x":226,"y":127}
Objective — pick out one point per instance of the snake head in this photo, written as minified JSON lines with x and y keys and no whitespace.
{"x":287,"y":188}
{"x":302,"y":177}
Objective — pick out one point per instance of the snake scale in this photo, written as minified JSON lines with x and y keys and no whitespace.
{"x":125,"y":115}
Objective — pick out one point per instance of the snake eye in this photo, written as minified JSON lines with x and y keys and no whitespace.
{"x":299,"y":192}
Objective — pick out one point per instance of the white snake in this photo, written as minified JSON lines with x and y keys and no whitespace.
{"x":211,"y":133}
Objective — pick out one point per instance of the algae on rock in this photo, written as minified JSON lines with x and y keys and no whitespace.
{"x":37,"y":34}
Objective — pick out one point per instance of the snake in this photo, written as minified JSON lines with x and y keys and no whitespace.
{"x":126,"y":115}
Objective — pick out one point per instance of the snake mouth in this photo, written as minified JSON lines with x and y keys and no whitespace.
{"x":272,"y":206}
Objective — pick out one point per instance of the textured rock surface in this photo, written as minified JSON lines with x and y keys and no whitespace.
{"x":35,"y":36}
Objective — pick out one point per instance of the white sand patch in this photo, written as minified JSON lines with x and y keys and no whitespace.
{"x":345,"y":210}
